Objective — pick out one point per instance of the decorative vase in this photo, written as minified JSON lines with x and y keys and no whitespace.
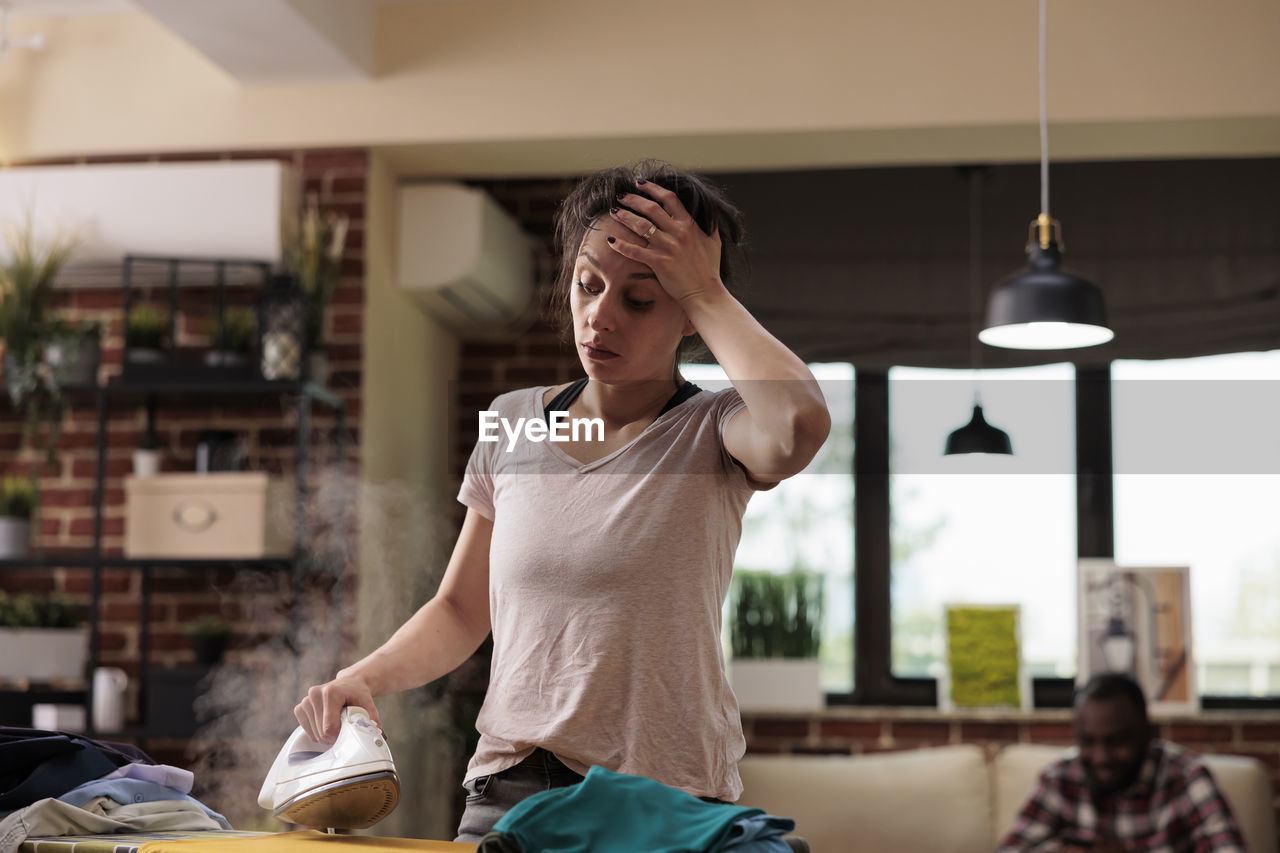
{"x":15,"y":536}
{"x":282,"y":327}
{"x":146,"y":463}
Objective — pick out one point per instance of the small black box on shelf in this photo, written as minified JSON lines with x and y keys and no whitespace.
{"x":171,"y":700}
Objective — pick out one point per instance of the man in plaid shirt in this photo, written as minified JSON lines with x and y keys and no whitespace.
{"x":1122,"y":789}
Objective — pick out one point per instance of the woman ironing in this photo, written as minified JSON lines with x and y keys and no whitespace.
{"x":601,"y":565}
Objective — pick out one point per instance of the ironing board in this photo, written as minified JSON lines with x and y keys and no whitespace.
{"x":234,"y":841}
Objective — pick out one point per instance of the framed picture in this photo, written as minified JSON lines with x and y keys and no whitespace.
{"x":1137,"y":620}
{"x":982,"y":667}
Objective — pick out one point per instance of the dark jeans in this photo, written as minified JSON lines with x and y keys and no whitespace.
{"x":490,"y":797}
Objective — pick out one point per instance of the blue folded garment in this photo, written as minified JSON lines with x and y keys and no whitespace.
{"x":125,"y":791}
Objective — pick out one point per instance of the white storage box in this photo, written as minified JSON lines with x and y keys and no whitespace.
{"x":240,"y":514}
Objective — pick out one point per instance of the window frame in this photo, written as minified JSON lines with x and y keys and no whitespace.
{"x":873,"y":678}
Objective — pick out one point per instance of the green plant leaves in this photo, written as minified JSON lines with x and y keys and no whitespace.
{"x":17,"y":497}
{"x":776,"y":615}
{"x":28,"y":610}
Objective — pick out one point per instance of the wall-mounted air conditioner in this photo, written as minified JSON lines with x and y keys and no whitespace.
{"x":463,"y":257}
{"x":239,"y":210}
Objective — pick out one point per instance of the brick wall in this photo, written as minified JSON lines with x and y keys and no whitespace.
{"x":854,"y":731}
{"x":267,"y":427}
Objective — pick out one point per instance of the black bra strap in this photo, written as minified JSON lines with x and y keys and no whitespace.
{"x":562,"y":401}
{"x":684,"y":392}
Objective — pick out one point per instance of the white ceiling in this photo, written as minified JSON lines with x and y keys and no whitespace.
{"x":253,"y":41}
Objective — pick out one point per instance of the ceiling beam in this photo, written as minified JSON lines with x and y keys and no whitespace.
{"x":257,"y":41}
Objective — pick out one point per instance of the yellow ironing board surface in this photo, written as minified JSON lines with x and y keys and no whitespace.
{"x":304,"y":841}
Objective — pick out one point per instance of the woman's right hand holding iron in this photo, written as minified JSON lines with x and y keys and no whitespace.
{"x":320,"y":711}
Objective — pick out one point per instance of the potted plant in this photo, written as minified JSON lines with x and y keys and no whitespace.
{"x":27,"y":274}
{"x":231,"y":341}
{"x":17,"y":505}
{"x":144,"y":334}
{"x":775,"y":633}
{"x":208,"y":636}
{"x":314,"y":258}
{"x":43,"y":637}
{"x":73,"y":352}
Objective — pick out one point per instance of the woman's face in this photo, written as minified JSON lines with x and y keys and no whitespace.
{"x":625,"y":326}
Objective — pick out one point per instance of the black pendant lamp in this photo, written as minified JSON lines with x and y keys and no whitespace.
{"x":977,"y":436}
{"x":1045,"y":306}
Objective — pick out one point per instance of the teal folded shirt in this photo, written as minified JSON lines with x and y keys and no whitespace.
{"x":615,"y":813}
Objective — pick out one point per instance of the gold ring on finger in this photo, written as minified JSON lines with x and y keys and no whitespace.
{"x":652,"y":228}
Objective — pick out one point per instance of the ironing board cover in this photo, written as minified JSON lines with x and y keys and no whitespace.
{"x":120,"y":842}
{"x":304,"y":841}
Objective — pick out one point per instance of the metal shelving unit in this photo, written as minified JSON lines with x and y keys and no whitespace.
{"x":307,"y":395}
{"x":150,"y":392}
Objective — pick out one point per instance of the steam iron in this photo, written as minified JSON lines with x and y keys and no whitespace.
{"x":351,"y":784}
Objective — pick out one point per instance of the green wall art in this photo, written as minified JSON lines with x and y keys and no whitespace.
{"x":984,"y":658}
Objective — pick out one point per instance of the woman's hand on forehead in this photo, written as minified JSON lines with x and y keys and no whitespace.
{"x":665,"y":238}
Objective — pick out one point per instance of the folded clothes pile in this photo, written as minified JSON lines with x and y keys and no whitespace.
{"x":55,"y":783}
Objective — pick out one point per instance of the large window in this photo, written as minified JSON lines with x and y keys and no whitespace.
{"x":977,"y":528}
{"x":806,"y":522}
{"x":1182,"y":462}
{"x":1197,"y":483}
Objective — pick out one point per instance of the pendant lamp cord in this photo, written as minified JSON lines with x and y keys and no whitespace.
{"x":1044,"y":115}
{"x":975,"y":276}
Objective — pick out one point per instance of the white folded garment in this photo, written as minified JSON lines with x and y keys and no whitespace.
{"x":54,"y":817}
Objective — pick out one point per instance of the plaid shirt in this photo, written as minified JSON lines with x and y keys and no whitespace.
{"x":1173,"y":807}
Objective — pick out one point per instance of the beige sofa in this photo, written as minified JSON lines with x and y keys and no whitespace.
{"x":949,"y":799}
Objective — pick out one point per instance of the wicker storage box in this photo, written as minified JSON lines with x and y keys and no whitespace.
{"x":195,"y":516}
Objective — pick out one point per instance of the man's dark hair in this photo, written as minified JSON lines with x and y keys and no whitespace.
{"x":1114,"y":685}
{"x":597,"y":192}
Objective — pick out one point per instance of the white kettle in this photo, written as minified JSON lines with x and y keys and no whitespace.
{"x":109,"y":686}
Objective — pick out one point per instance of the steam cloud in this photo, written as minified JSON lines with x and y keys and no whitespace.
{"x":247,"y":705}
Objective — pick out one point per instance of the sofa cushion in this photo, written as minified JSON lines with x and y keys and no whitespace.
{"x":1013,"y":778}
{"x":929,"y":800}
{"x":1243,"y":781}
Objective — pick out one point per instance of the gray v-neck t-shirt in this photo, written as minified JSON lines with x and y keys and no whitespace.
{"x":606,"y":586}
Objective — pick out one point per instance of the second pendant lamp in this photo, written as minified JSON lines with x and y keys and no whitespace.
{"x":1045,"y":306}
{"x":977,"y":436}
